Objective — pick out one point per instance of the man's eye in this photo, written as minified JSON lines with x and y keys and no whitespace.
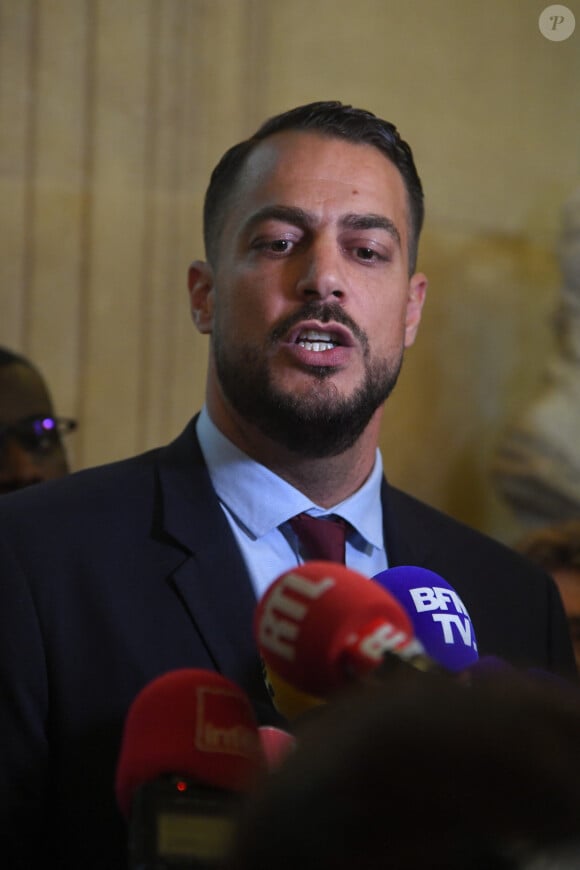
{"x":366,"y":253}
{"x":273,"y":246}
{"x":370,"y":255}
{"x":280,"y":246}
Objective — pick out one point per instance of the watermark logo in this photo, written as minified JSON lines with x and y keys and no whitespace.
{"x":557,"y":23}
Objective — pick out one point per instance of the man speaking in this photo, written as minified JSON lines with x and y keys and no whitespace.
{"x":309,"y":295}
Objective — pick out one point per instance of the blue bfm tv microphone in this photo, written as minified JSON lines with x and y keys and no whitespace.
{"x":439,"y":617}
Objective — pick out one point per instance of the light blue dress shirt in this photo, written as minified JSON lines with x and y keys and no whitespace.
{"x":258,"y":505}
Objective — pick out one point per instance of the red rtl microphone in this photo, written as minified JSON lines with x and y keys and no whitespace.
{"x":322,"y":625}
{"x":190,"y":750}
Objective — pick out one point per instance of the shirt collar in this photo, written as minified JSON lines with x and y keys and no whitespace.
{"x":241,"y":483}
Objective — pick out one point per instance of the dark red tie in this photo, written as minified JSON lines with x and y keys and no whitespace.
{"x":321,"y":537}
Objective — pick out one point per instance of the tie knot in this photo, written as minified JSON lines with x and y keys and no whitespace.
{"x":321,"y":537}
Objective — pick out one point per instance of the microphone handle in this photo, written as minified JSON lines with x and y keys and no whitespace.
{"x":176,"y":823}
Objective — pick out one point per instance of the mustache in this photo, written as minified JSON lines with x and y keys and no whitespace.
{"x":325,"y":312}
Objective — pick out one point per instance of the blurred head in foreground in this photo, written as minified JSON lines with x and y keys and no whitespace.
{"x":422,"y":773}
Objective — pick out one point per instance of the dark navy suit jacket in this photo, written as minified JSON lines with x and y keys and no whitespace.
{"x":115,"y":575}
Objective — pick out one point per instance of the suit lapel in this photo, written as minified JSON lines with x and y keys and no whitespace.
{"x":209,"y":574}
{"x":211,"y":578}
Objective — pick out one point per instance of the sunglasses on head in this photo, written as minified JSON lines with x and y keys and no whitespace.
{"x":38,"y":434}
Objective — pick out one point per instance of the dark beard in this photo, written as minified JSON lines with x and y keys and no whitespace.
{"x":321,"y":423}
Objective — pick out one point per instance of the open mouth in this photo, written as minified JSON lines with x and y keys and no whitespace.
{"x":313,"y":339}
{"x":319,"y":338}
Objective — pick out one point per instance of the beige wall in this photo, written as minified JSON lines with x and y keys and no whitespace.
{"x":112,"y":113}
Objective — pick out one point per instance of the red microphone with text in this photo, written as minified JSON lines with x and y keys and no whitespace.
{"x":191,"y":750}
{"x":321,"y":626}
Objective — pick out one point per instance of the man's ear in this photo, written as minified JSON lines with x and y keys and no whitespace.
{"x":415,"y":301}
{"x":201,"y":295}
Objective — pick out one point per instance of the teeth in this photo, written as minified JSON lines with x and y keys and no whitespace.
{"x":313,"y":339}
{"x":315,"y":335}
{"x":317,"y":345}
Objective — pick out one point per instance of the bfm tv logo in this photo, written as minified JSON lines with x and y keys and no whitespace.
{"x":455,"y":626}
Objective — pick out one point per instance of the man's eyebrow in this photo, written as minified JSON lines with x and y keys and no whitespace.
{"x":287,"y":214}
{"x":299,"y":217}
{"x":371,"y":222}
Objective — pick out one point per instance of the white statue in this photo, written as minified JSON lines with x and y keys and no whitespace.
{"x":537,"y":465}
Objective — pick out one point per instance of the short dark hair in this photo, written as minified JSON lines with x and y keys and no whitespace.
{"x":10,"y":357}
{"x":332,"y":119}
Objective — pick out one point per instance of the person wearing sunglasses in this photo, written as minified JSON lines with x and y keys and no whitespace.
{"x":31,"y":447}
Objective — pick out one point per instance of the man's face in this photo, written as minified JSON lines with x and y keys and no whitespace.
{"x":23,"y":396}
{"x":310,"y":304}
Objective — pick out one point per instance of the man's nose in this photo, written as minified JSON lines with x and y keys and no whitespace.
{"x":323,"y":273}
{"x":19,"y":467}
